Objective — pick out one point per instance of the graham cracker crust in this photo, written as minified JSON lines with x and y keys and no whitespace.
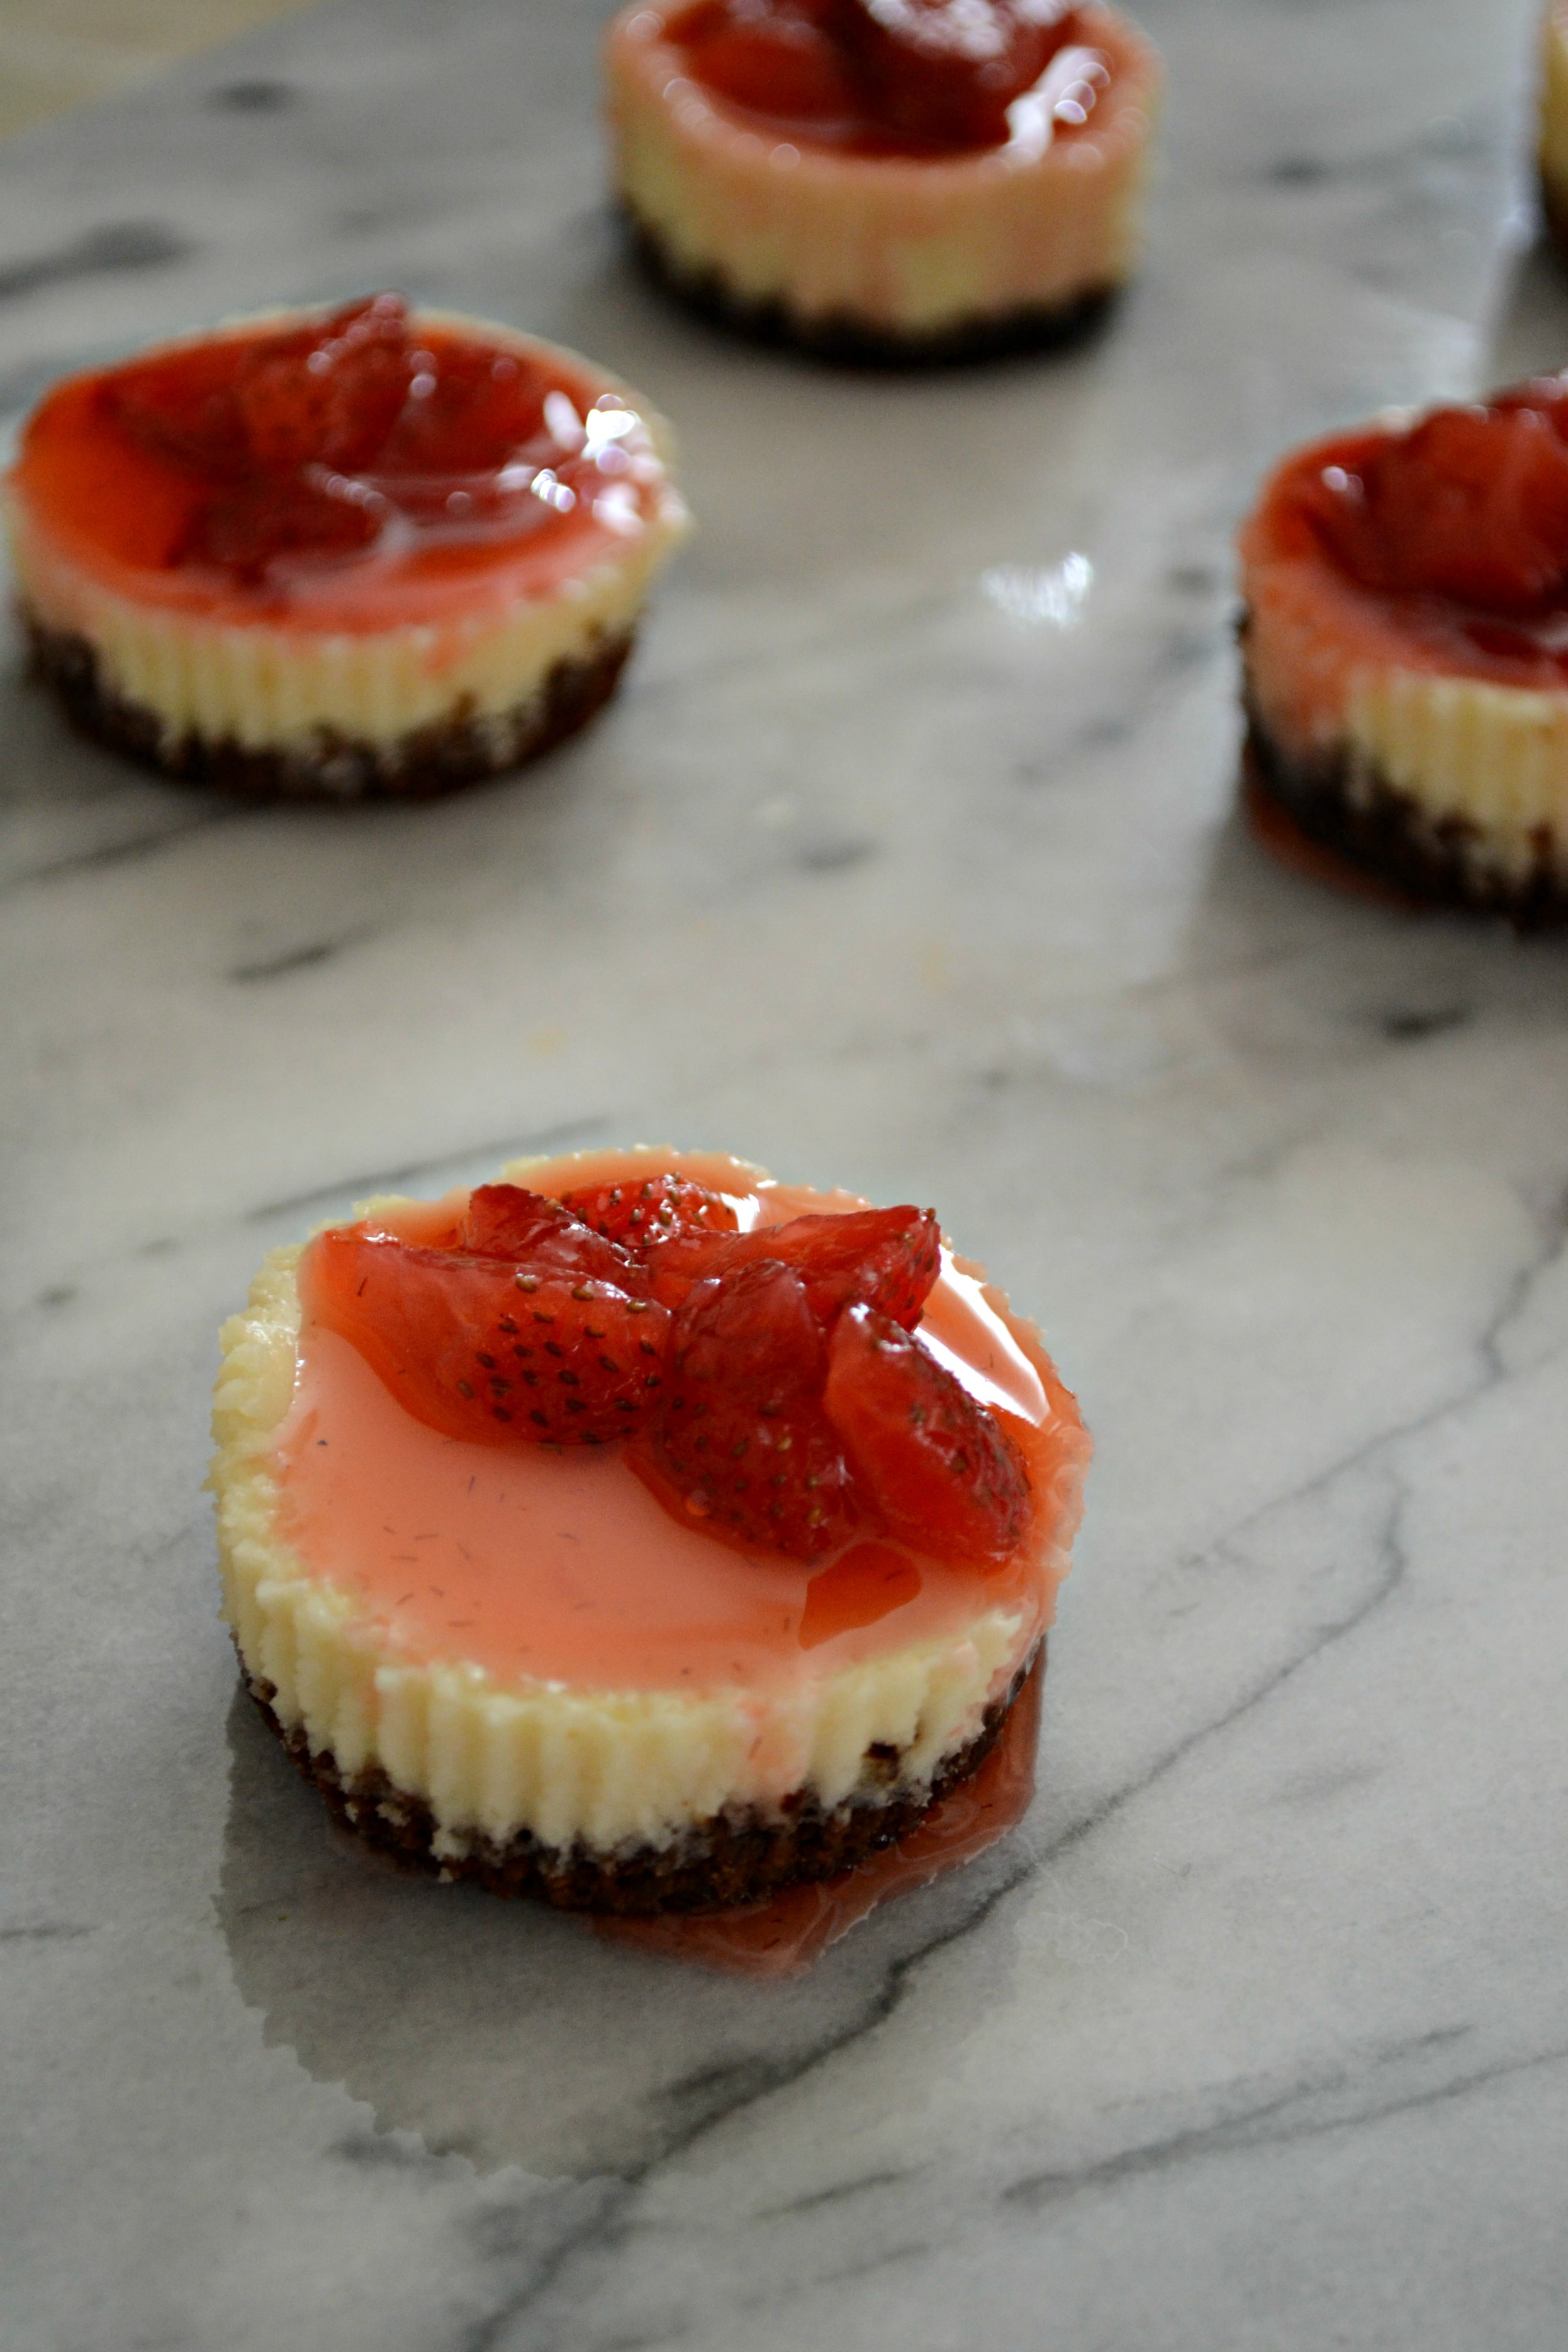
{"x":1383,"y":835}
{"x":729,"y":1860}
{"x":846,"y":341}
{"x":421,"y":765}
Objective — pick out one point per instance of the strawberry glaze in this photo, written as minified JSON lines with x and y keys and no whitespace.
{"x":560,"y":1565}
{"x":94,"y":496}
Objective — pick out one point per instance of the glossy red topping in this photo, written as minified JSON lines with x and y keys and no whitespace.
{"x":742,"y":1442}
{"x":893,"y":76}
{"x":254,"y":455}
{"x":651,"y":1210}
{"x":880,"y":1257}
{"x":943,"y":1470}
{"x":482,"y":1347}
{"x":1469,"y":505}
{"x":768,"y":1380}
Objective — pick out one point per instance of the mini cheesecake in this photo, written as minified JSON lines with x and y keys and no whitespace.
{"x":649,"y":1587}
{"x":1405,"y":651}
{"x":890,"y":180}
{"x":1554,"y":125}
{"x":364,"y":554}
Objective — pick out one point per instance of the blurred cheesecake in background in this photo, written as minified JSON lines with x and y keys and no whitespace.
{"x":1405,"y":650}
{"x":368,"y":552}
{"x":891,"y":181}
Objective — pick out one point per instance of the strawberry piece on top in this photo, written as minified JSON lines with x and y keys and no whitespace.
{"x":939,"y":1467}
{"x":741,"y":1444}
{"x":485,"y":1349}
{"x":656,"y":1210}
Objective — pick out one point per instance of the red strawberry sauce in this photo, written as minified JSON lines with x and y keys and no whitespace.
{"x":1451,"y":534}
{"x":894,"y":78}
{"x":342,"y":472}
{"x":559,"y":1563}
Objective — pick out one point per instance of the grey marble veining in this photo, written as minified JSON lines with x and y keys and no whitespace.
{"x":907,"y":860}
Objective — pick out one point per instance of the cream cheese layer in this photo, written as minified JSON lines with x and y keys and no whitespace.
{"x":1334,"y":670}
{"x":526,"y":1641}
{"x":908,"y":244}
{"x":372,"y":651}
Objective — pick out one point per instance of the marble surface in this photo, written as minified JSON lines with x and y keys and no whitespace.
{"x":908,"y":860}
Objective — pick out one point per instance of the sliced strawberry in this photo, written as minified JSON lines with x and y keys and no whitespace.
{"x":882,"y":1257}
{"x":258,"y":523}
{"x":1472,"y":503}
{"x":887,"y":1258}
{"x":507,"y":1220}
{"x":776,"y":60}
{"x":637,"y":1214}
{"x":945,"y":71}
{"x":327,"y":394}
{"x":942,"y":1469}
{"x":482,"y":1348}
{"x":741,"y":1444}
{"x":472,"y":409}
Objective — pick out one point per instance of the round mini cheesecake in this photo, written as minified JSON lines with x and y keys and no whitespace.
{"x":1553,"y":126}
{"x":368,"y":552}
{"x":891,"y":181}
{"x":638,"y":1533}
{"x":1405,"y":650}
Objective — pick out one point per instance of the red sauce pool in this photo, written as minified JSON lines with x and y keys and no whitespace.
{"x":890,"y":77}
{"x":784,"y":1937}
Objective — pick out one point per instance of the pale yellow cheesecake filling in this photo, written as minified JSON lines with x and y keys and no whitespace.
{"x":494,"y":1754}
{"x":480,"y":654}
{"x":904,"y":245}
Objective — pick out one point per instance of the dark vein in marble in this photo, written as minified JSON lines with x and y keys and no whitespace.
{"x":1392,"y":1569}
{"x":568,"y":1135}
{"x":1274,"y":2122}
{"x":301,"y":959}
{"x":256,"y":97}
{"x":1553,"y":1239}
{"x":600,"y":2228}
{"x":834,"y":853}
{"x":120,"y":853}
{"x":119,"y":246}
{"x":1402,"y":1027}
{"x":836,"y":2195}
{"x":50,"y":1931}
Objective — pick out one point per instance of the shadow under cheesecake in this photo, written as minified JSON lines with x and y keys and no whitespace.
{"x":509,"y":2034}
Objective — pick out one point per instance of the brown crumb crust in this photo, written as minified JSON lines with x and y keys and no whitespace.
{"x":729,"y":1860}
{"x":848,"y":342}
{"x":421,"y":765}
{"x":1388,"y":835}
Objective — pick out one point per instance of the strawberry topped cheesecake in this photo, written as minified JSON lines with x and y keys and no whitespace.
{"x":1405,"y":648}
{"x":639,"y":1532}
{"x":368,"y":551}
{"x":884,"y":180}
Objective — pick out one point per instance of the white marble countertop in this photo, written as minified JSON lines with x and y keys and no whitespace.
{"x":908,"y":861}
